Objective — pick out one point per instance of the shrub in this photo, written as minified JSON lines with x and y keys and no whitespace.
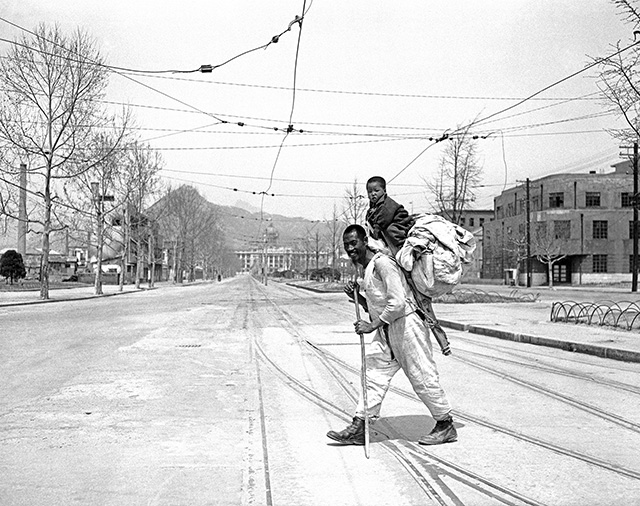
{"x":12,"y":265}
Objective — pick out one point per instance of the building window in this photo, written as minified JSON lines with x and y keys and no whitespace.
{"x":626,"y":199}
{"x":510,"y":209}
{"x":499,"y":212}
{"x":599,"y":263}
{"x":592,"y":199}
{"x":521,"y":229}
{"x":600,"y":229}
{"x":631,"y":229}
{"x":540,"y":228}
{"x":562,"y":229}
{"x":535,"y":203}
{"x":471,"y":222}
{"x":481,"y":221}
{"x":462,"y":221}
{"x":556,"y":199}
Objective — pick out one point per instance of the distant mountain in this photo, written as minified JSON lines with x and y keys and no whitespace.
{"x":245,"y":228}
{"x":245,"y":205}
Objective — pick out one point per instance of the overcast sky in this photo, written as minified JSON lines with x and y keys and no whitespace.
{"x":374,"y":81}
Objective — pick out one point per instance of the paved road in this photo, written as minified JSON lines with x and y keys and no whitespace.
{"x":222,"y":393}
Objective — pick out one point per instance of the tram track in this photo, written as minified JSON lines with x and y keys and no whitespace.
{"x":541,"y":389}
{"x":558,"y":449}
{"x":424,"y":467}
{"x":536,"y":364}
{"x":567,"y":399}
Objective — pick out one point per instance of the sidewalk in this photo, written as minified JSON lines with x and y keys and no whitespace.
{"x":18,"y":298}
{"x":526,"y":322}
{"x":529,"y":322}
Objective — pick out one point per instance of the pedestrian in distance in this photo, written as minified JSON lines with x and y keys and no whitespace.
{"x":401,"y":341}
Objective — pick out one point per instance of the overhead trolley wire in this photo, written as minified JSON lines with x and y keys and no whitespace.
{"x":519,"y":103}
{"x":298,"y":20}
{"x":375,"y":94}
{"x":205,"y":69}
{"x":122,"y":74}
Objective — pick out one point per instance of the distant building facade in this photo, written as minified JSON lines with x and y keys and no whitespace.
{"x":587,"y":218}
{"x":274,"y":258}
{"x":473,"y":220}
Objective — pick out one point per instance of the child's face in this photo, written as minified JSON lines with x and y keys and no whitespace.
{"x":375,"y":192}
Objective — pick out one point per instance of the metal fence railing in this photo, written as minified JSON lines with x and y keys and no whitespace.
{"x":625,"y":315}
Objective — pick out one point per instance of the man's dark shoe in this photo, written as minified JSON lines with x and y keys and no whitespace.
{"x":443,"y":432}
{"x":352,"y":435}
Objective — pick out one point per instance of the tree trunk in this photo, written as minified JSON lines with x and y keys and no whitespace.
{"x":138,"y":264}
{"x":174,"y":268}
{"x":152,"y":263}
{"x":125,"y":250}
{"x":550,"y":274}
{"x":44,"y":267}
{"x":99,"y":245}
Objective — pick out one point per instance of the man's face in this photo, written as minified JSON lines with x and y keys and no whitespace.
{"x":355,"y":247}
{"x":375,"y":192}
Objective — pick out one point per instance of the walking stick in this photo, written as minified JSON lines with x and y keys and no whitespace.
{"x":363,"y":374}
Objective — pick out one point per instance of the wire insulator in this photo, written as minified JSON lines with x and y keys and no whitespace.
{"x":206,"y":69}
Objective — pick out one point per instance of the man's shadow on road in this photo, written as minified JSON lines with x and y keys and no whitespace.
{"x":407,"y":427}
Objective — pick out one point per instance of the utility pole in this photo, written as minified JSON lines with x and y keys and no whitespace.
{"x":634,"y":263}
{"x":528,"y":210}
{"x":99,"y":201}
{"x":95,"y":191}
{"x":125,"y":247}
{"x":264,"y":261}
{"x":307,"y":257}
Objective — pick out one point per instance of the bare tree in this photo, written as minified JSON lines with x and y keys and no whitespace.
{"x":453,"y":186}
{"x":618,"y":76}
{"x":209,"y":243}
{"x":547,"y":249}
{"x":516,"y":247}
{"x":142,"y":185}
{"x":101,"y":183}
{"x":52,"y":84}
{"x":191,"y":227}
{"x":334,"y":237}
{"x":355,"y":205}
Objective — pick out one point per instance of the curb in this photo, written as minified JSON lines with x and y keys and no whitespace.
{"x":588,"y":349}
{"x":312,"y":289}
{"x":86,"y":297}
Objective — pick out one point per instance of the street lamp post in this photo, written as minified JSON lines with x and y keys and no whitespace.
{"x":99,"y":203}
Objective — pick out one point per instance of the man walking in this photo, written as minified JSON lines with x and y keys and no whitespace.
{"x":401,"y":342}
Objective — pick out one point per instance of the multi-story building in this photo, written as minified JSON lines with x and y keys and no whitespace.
{"x":584,"y":221}
{"x":473,"y":220}
{"x":274,"y":258}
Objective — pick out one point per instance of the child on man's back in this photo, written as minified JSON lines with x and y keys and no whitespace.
{"x":387,"y":220}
